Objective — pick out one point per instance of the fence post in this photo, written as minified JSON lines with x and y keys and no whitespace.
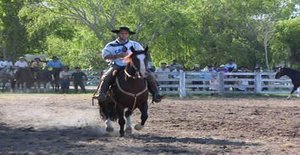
{"x":221,"y":82}
{"x":182,"y":92}
{"x":258,"y":83}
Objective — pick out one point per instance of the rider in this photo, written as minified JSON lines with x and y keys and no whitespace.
{"x":114,"y":52}
{"x":21,"y":63}
{"x":36,"y":65}
{"x":2,"y":63}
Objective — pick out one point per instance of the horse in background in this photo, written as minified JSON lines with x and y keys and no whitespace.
{"x":55,"y":78}
{"x":129,"y":92}
{"x":42,"y":77}
{"x":7,"y":76}
{"x":24,"y":79}
{"x":293,"y":75}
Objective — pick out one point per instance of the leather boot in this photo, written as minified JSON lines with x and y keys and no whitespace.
{"x":107,"y":80}
{"x":153,"y":89}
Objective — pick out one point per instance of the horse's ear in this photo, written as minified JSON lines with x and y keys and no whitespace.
{"x":146,"y":49}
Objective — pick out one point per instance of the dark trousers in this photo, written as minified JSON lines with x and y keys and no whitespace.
{"x":80,"y":84}
{"x":65,"y":84}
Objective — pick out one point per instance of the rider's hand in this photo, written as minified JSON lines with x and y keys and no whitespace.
{"x":122,"y":55}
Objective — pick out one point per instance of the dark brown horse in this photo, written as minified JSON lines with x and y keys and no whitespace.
{"x":129,"y":92}
{"x":24,"y":78}
{"x":42,"y":77}
{"x":293,"y":75}
{"x":6,"y":76}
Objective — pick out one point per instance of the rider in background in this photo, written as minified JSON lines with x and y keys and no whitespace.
{"x":114,"y":52}
{"x":55,"y":66}
{"x":2,"y":63}
{"x":36,"y":65}
{"x":21,"y":63}
{"x":55,"y":63}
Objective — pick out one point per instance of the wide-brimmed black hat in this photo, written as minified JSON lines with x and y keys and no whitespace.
{"x":123,"y":28}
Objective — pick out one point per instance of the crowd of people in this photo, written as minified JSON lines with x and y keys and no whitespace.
{"x":64,"y":75}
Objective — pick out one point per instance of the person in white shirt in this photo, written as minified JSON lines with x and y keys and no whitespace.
{"x":21,"y":63}
{"x":164,"y":70}
{"x":162,"y":73}
{"x":65,"y":76}
{"x":2,"y":63}
{"x":231,"y":66}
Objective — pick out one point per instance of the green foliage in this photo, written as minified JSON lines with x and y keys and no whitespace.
{"x":191,"y":31}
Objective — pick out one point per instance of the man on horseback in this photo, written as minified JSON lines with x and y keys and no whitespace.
{"x":114,"y":52}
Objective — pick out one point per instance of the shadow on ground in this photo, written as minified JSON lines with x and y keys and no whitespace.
{"x":88,"y":140}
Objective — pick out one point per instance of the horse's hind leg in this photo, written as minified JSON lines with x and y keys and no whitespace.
{"x":128,"y":114}
{"x":144,"y":116}
{"x":294,"y":89}
{"x":121,"y":121}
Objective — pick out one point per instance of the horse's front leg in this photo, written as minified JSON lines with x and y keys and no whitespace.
{"x":128,"y":114}
{"x":108,"y":125}
{"x":121,"y":121}
{"x":144,"y":116}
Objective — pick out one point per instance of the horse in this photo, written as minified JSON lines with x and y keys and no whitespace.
{"x":55,"y":78}
{"x":42,"y":77}
{"x":6,"y":75}
{"x":293,"y":75}
{"x":129,"y":92}
{"x":24,"y":78}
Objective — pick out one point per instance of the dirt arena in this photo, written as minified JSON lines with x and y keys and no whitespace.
{"x":68,"y":124}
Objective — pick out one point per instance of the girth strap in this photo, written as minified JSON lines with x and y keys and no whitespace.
{"x":131,"y":94}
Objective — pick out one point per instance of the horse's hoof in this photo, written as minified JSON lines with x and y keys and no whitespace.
{"x":121,"y":134}
{"x":109,"y":129}
{"x":128,"y":130}
{"x":138,"y":127}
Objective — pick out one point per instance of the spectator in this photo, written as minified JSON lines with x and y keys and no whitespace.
{"x":64,"y":77}
{"x":175,"y":65}
{"x":222,"y":69}
{"x":210,"y":77}
{"x":78,"y":79}
{"x":21,"y":63}
{"x":2,"y":63}
{"x":231,"y":66}
{"x":163,"y":74}
{"x":9,"y":63}
{"x":197,"y":78}
{"x":55,"y":63}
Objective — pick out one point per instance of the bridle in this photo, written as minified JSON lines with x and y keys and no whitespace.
{"x":137,"y":74}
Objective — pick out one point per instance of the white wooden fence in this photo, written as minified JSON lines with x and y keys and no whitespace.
{"x":189,"y":83}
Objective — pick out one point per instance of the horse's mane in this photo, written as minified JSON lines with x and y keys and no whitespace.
{"x":290,"y":69}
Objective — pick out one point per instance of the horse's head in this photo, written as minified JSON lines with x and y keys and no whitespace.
{"x":281,"y":72}
{"x":138,"y":60}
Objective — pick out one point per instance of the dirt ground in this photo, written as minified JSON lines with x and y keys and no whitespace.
{"x":68,"y":124}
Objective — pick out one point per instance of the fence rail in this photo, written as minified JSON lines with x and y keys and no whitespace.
{"x":189,"y":83}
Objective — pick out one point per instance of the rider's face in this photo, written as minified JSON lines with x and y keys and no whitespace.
{"x":123,"y":35}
